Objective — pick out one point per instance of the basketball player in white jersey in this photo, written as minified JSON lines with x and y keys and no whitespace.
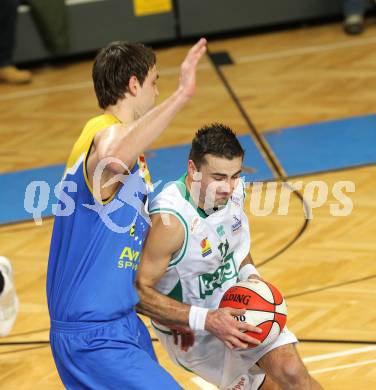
{"x":197,"y":248}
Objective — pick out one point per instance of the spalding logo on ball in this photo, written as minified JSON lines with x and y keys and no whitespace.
{"x":264,"y":305}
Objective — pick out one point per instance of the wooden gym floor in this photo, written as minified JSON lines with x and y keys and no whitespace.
{"x":281,"y":79}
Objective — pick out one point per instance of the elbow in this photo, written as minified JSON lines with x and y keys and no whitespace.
{"x":141,"y":297}
{"x":111,"y":161}
{"x":145,"y":293}
{"x":138,"y":287}
{"x":141,"y":291}
{"x":116,"y":166}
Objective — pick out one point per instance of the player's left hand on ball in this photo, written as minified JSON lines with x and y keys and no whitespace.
{"x":187,"y":336}
{"x":222,"y":324}
{"x":244,"y":327}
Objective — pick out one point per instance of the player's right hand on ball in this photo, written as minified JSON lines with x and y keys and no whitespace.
{"x":188,"y":68}
{"x":222,"y":324}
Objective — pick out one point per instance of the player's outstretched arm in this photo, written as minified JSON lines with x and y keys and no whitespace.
{"x":127,"y":142}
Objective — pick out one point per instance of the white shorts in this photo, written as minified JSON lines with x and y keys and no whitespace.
{"x":210,"y":359}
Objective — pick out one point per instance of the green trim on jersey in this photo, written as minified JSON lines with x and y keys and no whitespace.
{"x":183,"y":366}
{"x":180,"y":184}
{"x":175,"y":260}
{"x":177,"y":292}
{"x":169,"y":334}
{"x":159,"y":329}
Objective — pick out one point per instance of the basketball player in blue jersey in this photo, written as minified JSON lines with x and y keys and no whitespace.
{"x":182,"y":279}
{"x":97,"y":340}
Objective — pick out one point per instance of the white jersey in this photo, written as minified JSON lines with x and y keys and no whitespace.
{"x":199,"y":274}
{"x":213,"y":249}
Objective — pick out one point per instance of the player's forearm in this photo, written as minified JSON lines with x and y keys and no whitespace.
{"x":247,"y":260}
{"x":161,"y":308}
{"x":136,"y":138}
{"x":247,"y":269}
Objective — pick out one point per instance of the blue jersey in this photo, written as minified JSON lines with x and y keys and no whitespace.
{"x":95,"y":249}
{"x":97,"y":340}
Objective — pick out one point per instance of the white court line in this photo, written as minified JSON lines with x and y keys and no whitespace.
{"x":175,"y":70}
{"x":306,"y":50}
{"x":362,"y":363}
{"x":207,"y":386}
{"x":347,"y":352}
{"x":45,"y":91}
{"x":202,"y":384}
{"x":79,"y":85}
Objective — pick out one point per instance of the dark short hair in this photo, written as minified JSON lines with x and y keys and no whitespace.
{"x":115,"y":64}
{"x":216,"y":139}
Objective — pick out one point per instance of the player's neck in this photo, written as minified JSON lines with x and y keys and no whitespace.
{"x":122,"y":113}
{"x":195,"y":197}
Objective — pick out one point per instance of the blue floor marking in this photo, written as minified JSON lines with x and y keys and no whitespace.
{"x":166,"y":164}
{"x":301,"y":150}
{"x":13,"y":186}
{"x":325,"y":146}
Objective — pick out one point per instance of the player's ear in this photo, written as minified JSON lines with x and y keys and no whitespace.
{"x":191,"y":168}
{"x":133,"y":85}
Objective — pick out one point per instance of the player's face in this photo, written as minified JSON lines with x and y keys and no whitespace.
{"x":219,"y":178}
{"x":146,"y":94}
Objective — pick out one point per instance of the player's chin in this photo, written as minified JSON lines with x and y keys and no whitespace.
{"x":221,"y":200}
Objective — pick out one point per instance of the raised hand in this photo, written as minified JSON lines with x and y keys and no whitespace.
{"x":188,"y":68}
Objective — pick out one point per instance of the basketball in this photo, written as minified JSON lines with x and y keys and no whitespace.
{"x":264,"y":304}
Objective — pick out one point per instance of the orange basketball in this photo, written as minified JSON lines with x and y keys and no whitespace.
{"x":264,"y":305}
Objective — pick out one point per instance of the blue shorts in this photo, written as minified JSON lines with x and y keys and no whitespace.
{"x":107,"y":355}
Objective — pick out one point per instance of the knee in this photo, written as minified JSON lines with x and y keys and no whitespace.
{"x":293,"y":373}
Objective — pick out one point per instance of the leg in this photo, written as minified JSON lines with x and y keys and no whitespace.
{"x":354,"y":16}
{"x":351,"y":7}
{"x":108,"y":357}
{"x":286,"y":368}
{"x":269,"y":384}
{"x":106,"y":365}
{"x":212,"y":361}
{"x":8,"y":19}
